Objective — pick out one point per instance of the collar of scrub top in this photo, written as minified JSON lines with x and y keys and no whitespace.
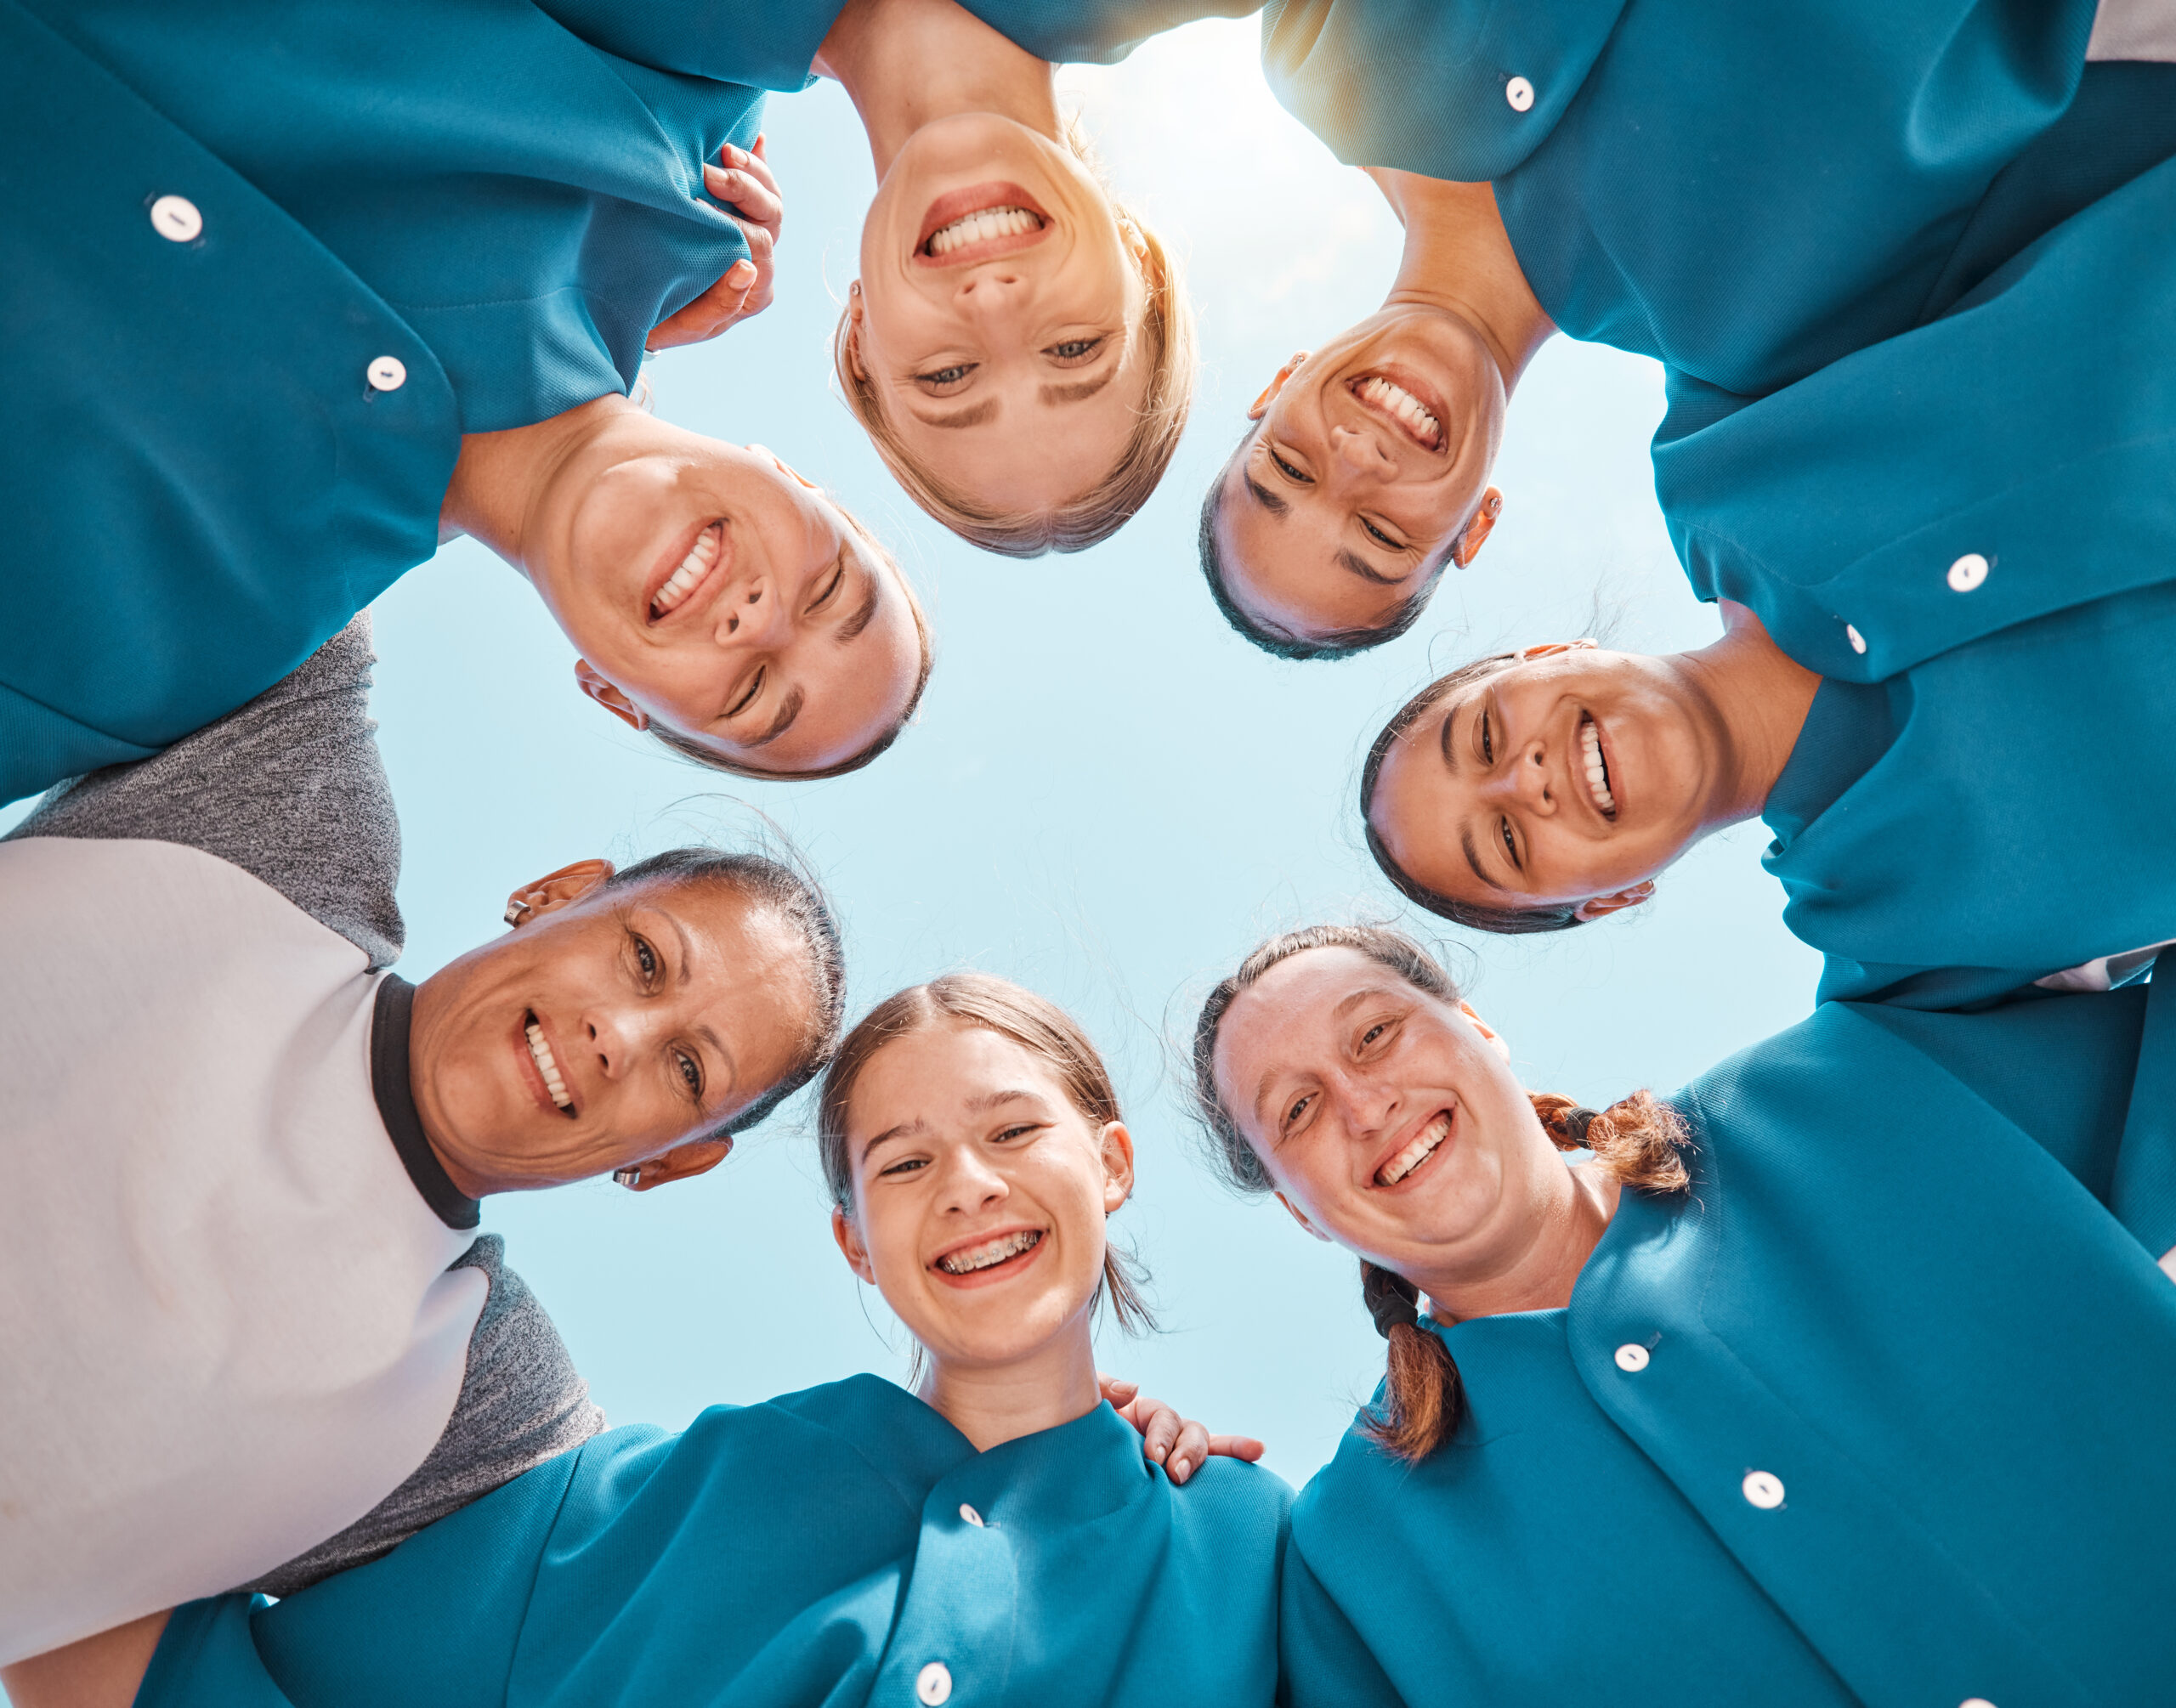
{"x":396,"y":1106}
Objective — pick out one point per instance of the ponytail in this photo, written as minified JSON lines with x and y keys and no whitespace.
{"x":1639,"y":1138}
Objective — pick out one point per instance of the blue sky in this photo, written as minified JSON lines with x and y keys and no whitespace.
{"x":1108,"y":795}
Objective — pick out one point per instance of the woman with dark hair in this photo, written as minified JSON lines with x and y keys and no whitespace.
{"x":1745,"y":194}
{"x":296,"y":291}
{"x":992,"y":1537}
{"x":1944,"y":569}
{"x":1837,"y":1378}
{"x":243,"y":1162}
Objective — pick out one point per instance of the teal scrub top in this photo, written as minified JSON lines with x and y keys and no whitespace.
{"x":1876,"y":1413}
{"x":234,"y":416}
{"x":842,"y":1545}
{"x":1970,"y":530}
{"x":1744,"y":192}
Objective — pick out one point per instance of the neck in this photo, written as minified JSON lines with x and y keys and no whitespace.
{"x":1459,"y":260}
{"x":994,"y":1403}
{"x":1539,"y":1272}
{"x":500,"y":478}
{"x":1760,"y":697}
{"x":472,"y":1177}
{"x":905,"y":63}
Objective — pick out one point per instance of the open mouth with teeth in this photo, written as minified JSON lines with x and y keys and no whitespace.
{"x":1386,"y":398}
{"x":1594,"y":767}
{"x":979,"y":223}
{"x":547,"y":1067}
{"x":1417,"y":1149}
{"x":1011,"y":1250}
{"x":691,"y":573}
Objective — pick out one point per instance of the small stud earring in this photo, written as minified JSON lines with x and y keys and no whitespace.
{"x":517,"y":911}
{"x":629,"y":1177}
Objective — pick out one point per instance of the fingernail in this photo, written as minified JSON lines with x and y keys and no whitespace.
{"x":733,"y":155}
{"x":744,"y":270}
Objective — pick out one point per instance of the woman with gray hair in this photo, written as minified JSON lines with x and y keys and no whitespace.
{"x":247,"y":1309}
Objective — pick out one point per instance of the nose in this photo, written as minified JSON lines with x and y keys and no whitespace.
{"x":1368,"y":1105}
{"x":753,"y":615}
{"x":1360,"y":453}
{"x":970,"y":1185}
{"x":991,"y":293}
{"x":1525,"y":782}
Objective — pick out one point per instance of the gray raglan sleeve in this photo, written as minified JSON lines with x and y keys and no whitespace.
{"x":291,"y":787}
{"x":522,"y":1402}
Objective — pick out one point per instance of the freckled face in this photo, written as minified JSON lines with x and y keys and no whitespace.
{"x":999,"y":314}
{"x":980,"y":1193}
{"x":724,"y":596}
{"x":1555,"y":781}
{"x":609,"y":1029}
{"x":1391,"y":1120}
{"x":1367,"y":466}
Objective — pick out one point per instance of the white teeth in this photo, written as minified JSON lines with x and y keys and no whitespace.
{"x":1597,"y":772}
{"x":1419,"y":1151}
{"x":992,"y":1252}
{"x":693,"y":568}
{"x":978,"y":227}
{"x":1394,"y":400}
{"x":541,"y":1053}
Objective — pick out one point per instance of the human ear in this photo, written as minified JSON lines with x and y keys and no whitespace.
{"x":591,"y":683}
{"x":849,"y":1238}
{"x":1260,"y":406}
{"x":1478,"y":528}
{"x":1301,"y":1220}
{"x":556,"y":889}
{"x":1549,"y":649}
{"x":682,"y":1162}
{"x":855,"y":309}
{"x":1601,"y":905}
{"x":1118,"y":1165}
{"x":1496,"y":1040}
{"x":785,"y":467}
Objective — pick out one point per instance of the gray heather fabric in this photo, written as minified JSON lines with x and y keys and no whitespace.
{"x":522,"y":1402}
{"x":291,"y":789}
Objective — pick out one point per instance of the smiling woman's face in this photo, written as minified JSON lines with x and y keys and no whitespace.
{"x":1372,"y":455}
{"x":1560,"y":779}
{"x":1389,"y":1120}
{"x":710,"y":589}
{"x":609,"y":1029}
{"x":999,"y":314}
{"x":979,"y":1194}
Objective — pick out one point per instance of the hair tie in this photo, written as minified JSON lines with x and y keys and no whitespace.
{"x":1392,"y":1299}
{"x":1576,"y":1122}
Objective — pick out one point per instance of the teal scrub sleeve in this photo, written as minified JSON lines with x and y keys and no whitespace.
{"x":2009,"y":461}
{"x":206,"y":1658}
{"x":766,"y":45}
{"x":2143,"y":1190}
{"x":1322,"y":1657}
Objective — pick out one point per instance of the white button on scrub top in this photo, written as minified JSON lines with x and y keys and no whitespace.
{"x":1858,"y":640}
{"x":970,"y":1515}
{"x":386,"y":374}
{"x":1520,"y":93}
{"x":1632,"y":1356}
{"x":1975,"y":1702}
{"x":1967,"y":572}
{"x":175,"y":218}
{"x":933,"y":1683}
{"x":1765,"y":1489}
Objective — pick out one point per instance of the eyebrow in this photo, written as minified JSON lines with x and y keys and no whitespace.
{"x":851,"y":629}
{"x":1263,"y":496}
{"x":1473,"y":856}
{"x":974,"y":416}
{"x":788,"y":711}
{"x":1079,"y":390}
{"x":1354,"y":564}
{"x":975,"y":1105}
{"x":1450,"y":746}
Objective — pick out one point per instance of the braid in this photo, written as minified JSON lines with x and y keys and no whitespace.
{"x":1639,"y":1138}
{"x":1423,"y":1398}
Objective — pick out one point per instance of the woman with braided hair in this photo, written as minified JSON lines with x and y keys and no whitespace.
{"x":1838,"y":1377}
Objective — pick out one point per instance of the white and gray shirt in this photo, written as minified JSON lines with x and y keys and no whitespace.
{"x":249,"y":1332}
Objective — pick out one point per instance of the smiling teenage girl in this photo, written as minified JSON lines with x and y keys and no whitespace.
{"x":995,"y":1537}
{"x":1830,"y":1382}
{"x":1946,"y":684}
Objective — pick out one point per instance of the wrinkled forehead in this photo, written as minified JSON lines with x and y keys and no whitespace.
{"x":1286,"y":1016}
